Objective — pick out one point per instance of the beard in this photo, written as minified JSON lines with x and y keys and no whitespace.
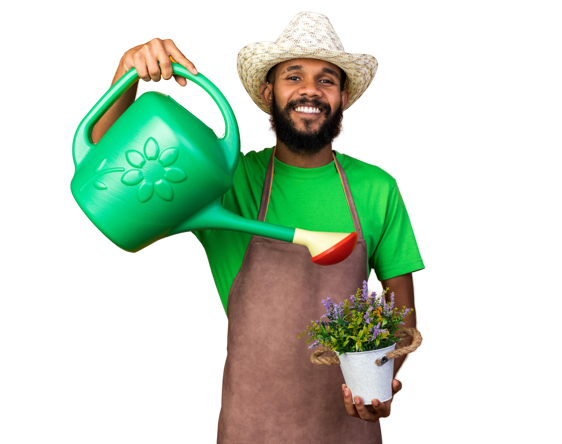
{"x":305,"y":143}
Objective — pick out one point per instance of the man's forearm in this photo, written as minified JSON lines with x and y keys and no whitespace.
{"x":410,"y":321}
{"x":118,"y":108}
{"x":403,"y":288}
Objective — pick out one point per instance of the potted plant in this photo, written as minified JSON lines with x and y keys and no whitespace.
{"x":363,"y":331}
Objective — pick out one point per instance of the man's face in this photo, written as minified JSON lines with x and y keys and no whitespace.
{"x":306,"y":104}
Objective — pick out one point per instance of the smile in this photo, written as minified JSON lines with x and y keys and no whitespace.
{"x":308,"y":109}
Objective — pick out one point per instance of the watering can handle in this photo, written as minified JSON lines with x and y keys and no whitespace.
{"x":230,"y":141}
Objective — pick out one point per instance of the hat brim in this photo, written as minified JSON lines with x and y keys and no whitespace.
{"x":256,"y":59}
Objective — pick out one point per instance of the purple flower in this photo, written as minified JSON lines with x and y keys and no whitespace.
{"x":362,"y":303}
{"x":315,"y":344}
{"x":365,"y":291}
{"x":387,"y":308}
{"x":367,"y":315}
{"x":377,"y":331}
{"x":327,"y":304}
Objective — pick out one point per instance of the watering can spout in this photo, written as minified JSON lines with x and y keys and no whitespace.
{"x":325,"y":248}
{"x":215,"y":217}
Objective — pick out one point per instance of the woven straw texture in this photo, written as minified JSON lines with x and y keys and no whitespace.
{"x":308,"y":35}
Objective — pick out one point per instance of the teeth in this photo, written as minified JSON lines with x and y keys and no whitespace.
{"x":307,"y":109}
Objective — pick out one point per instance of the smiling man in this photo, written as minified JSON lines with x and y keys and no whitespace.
{"x":310,"y":81}
{"x":270,"y":289}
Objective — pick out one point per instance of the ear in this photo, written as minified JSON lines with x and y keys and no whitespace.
{"x":266,"y":93}
{"x":344,"y":98}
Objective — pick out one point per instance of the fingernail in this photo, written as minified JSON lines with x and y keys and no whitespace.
{"x":375,"y":403}
{"x":357,"y":400}
{"x":195,"y":71}
{"x":346,"y":392}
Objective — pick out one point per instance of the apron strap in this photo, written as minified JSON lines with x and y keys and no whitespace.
{"x":349,"y":197}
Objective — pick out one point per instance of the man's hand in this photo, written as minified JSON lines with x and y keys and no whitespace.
{"x":372,"y":412}
{"x":145,"y":59}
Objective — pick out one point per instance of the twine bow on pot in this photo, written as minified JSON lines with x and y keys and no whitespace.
{"x":317,"y":358}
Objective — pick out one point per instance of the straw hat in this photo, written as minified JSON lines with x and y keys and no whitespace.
{"x":308,"y":35}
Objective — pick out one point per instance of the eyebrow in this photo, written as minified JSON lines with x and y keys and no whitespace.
{"x":298,"y":67}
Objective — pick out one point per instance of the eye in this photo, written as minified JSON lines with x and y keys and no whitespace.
{"x":295,"y":77}
{"x":292,"y":78}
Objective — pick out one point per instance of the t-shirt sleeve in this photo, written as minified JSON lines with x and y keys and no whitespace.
{"x":397,"y":252}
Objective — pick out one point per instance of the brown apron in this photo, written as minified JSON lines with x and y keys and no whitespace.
{"x":272,"y":393}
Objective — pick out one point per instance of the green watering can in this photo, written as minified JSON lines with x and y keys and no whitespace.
{"x":160,"y":171}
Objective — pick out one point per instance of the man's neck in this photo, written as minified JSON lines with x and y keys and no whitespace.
{"x":323,"y":157}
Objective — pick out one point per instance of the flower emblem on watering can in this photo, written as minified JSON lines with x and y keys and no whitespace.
{"x":153,"y":170}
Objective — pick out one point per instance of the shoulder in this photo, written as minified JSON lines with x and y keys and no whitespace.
{"x":365,"y":175}
{"x":254,"y":162}
{"x":250,"y":172}
{"x":258,"y":157}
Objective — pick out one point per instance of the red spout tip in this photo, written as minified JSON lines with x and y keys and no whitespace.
{"x":338,"y":252}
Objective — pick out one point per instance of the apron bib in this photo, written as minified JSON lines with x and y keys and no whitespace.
{"x":272,"y":393}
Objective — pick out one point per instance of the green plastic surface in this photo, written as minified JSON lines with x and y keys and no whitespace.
{"x":159,"y":170}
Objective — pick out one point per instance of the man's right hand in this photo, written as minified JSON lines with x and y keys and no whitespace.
{"x":145,"y":59}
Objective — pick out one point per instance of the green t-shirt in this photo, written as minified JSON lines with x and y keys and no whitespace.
{"x":314,"y":199}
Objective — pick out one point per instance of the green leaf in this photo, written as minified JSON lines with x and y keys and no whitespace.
{"x":99,"y":168}
{"x":132,"y":177}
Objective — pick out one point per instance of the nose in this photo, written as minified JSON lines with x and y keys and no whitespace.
{"x":309,"y":88}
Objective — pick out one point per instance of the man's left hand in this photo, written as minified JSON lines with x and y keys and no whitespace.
{"x":372,"y":412}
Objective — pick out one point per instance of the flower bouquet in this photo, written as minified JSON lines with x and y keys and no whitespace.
{"x":363,"y":331}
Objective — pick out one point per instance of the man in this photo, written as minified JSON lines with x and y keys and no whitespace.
{"x":270,"y":289}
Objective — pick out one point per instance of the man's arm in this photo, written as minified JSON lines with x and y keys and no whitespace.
{"x":118,"y":108}
{"x":403,"y":288}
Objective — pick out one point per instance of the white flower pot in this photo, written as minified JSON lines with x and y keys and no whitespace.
{"x":365,"y":378}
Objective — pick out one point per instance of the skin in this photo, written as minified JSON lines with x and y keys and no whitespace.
{"x":305,"y":141}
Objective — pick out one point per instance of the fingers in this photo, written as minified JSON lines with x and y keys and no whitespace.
{"x":178,"y":57}
{"x":349,"y":402}
{"x":144,"y":59}
{"x":165,"y":64}
{"x":370,"y":413}
{"x":364,"y":413}
{"x":381,"y":409}
{"x":396,"y":386}
{"x":152,"y":61}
